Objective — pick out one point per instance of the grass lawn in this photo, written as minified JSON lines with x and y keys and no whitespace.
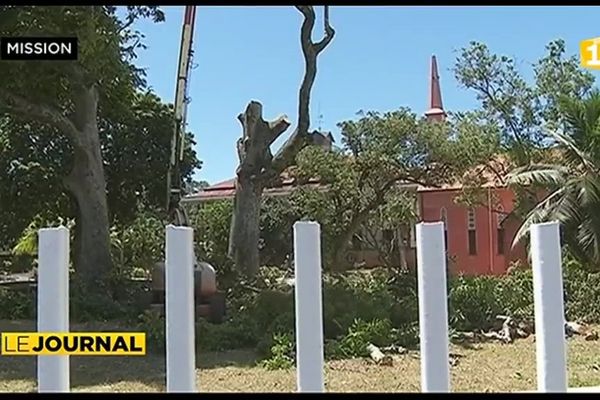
{"x":488,"y":367}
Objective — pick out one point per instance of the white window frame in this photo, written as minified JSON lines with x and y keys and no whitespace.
{"x":471,"y":221}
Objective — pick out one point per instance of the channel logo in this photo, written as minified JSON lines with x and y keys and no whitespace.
{"x":589,"y":50}
{"x":76,"y":344}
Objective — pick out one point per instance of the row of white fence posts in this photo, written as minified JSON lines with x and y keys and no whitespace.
{"x":551,"y":356}
{"x":53,"y":307}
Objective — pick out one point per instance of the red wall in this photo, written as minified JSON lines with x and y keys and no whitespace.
{"x":487,"y":259}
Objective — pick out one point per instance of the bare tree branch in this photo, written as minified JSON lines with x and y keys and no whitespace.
{"x":285,"y":156}
{"x":329,"y":33}
{"x":277,"y":127}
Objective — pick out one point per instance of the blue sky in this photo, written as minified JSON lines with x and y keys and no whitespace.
{"x":379,"y":60}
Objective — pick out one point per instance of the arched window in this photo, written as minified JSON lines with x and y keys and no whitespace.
{"x":500,"y":216}
{"x":472,"y":231}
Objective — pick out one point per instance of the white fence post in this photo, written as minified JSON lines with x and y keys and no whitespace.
{"x":433,"y":307}
{"x":179,"y":309}
{"x":309,"y":307}
{"x":549,"y":307}
{"x":53,"y":304}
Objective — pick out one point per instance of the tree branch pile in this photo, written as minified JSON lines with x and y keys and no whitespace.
{"x":510,"y":329}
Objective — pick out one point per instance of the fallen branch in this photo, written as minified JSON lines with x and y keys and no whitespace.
{"x":378,"y":356}
{"x":511,"y":329}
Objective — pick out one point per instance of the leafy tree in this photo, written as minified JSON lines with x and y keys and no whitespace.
{"x":32,"y":159}
{"x":522,"y":110}
{"x":572,"y":184}
{"x":388,"y":230}
{"x":383,"y":157}
{"x":68,"y":97}
{"x":135,"y":145}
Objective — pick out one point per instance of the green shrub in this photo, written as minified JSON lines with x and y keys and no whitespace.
{"x":582,"y":293}
{"x":472,"y":302}
{"x":211,"y":226}
{"x":137,"y":246}
{"x":231,"y":334}
{"x":282,"y":352}
{"x":514,"y":293}
{"x":361,"y":333}
{"x":153,"y":324}
{"x":17,"y":304}
{"x":356,"y":295}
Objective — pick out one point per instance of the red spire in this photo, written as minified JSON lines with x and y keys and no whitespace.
{"x":436,"y":109}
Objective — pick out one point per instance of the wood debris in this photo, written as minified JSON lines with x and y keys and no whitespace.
{"x":378,"y":356}
{"x":512,"y":329}
{"x":393,"y":349}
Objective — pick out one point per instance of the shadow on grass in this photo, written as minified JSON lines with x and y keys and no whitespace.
{"x":106,"y":370}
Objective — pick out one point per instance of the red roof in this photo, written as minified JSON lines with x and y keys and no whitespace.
{"x":226,"y":190}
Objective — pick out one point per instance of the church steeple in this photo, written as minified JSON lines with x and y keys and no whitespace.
{"x":436,"y":109}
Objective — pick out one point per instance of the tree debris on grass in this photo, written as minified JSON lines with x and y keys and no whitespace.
{"x":378,"y":356}
{"x":512,"y":329}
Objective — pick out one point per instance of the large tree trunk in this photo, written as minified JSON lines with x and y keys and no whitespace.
{"x":245,"y":238}
{"x":87,"y":184}
{"x":92,"y":245}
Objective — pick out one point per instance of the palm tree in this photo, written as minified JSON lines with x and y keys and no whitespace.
{"x":572,"y":185}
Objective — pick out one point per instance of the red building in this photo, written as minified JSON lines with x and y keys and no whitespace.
{"x":478,"y":240}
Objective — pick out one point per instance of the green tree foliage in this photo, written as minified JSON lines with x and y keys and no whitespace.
{"x":68,"y":97}
{"x":135,"y":145}
{"x":380,"y":153}
{"x":573,"y":184}
{"x":82,"y":139}
{"x":522,"y":109}
{"x":32,"y":161}
{"x":548,"y":134}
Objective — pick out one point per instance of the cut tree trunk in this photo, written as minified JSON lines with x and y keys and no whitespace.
{"x":258,"y":168}
{"x":245,"y":238}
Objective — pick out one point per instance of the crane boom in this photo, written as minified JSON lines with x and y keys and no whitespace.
{"x":174,"y":181}
{"x":206,"y":293}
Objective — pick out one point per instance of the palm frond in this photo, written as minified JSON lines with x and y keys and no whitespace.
{"x":540,"y":174}
{"x":574,"y":154}
{"x":540,"y":213}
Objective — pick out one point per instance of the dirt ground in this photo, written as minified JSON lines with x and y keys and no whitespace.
{"x":488,"y":367}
